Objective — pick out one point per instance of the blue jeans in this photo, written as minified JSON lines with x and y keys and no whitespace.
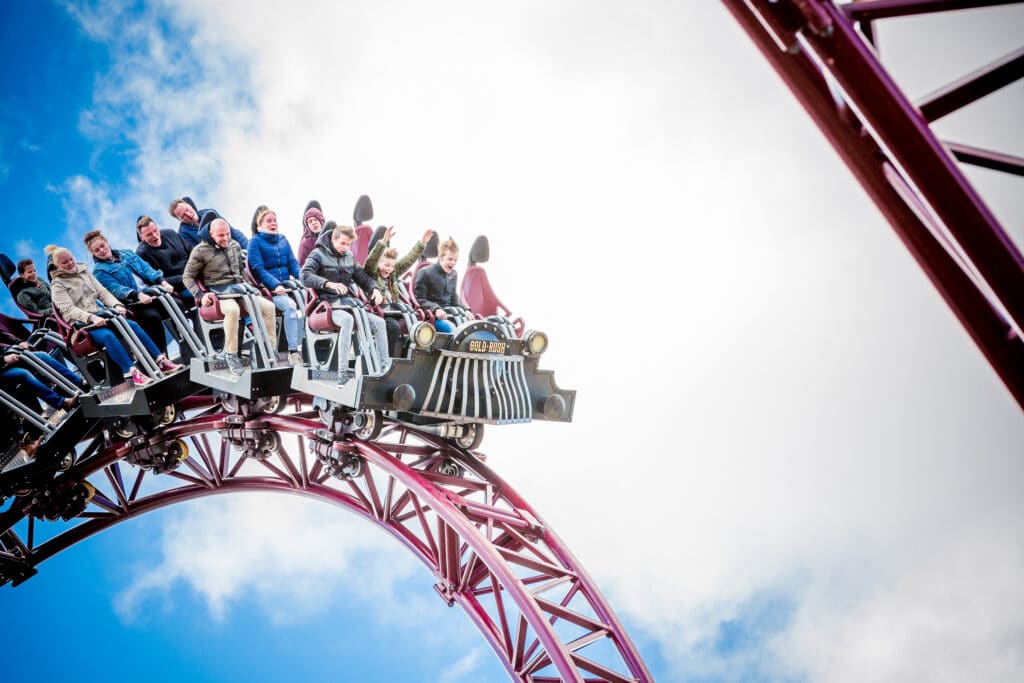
{"x":444,"y":326}
{"x":294,"y":328}
{"x":60,"y":368}
{"x":17,"y":375}
{"x":105,"y":338}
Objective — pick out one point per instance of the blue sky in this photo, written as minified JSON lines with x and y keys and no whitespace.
{"x":44,"y":100}
{"x":816,"y":479}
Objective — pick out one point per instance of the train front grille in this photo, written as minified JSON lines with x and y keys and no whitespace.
{"x":475,"y":387}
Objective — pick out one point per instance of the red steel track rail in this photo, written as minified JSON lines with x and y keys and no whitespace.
{"x":824,"y":52}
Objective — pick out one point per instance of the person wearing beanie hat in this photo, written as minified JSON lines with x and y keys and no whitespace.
{"x":312,"y":224}
{"x":272,"y":262}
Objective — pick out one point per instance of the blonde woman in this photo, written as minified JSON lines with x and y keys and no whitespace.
{"x":76,"y":294}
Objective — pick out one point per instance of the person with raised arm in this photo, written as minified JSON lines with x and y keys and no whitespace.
{"x":384,"y":266}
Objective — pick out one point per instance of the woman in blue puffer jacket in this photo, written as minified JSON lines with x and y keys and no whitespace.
{"x":272,"y":263}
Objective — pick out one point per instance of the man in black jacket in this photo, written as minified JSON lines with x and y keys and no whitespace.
{"x":437,"y":285}
{"x":165,"y":251}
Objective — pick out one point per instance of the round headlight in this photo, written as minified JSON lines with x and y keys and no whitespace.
{"x":403,"y":397}
{"x":536,"y":342}
{"x":423,"y":333}
{"x":554,"y":407}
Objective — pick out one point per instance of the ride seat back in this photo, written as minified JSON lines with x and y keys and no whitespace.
{"x":476,"y":290}
{"x":361,"y":247}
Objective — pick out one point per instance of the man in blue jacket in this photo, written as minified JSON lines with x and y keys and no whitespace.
{"x":191,"y":219}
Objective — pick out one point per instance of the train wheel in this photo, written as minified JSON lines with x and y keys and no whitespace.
{"x":472,"y":437}
{"x":124,"y":429}
{"x":272,"y":404}
{"x":178,"y":450}
{"x":166,"y":416}
{"x":373,"y":422}
{"x":450,"y":468}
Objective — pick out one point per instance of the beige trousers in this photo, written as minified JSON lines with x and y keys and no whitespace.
{"x":230,"y":309}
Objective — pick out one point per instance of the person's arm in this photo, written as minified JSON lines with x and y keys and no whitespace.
{"x":259,"y":269}
{"x":455,"y":300}
{"x":365,"y":282}
{"x":370,"y":264}
{"x":25,"y":300}
{"x":309,"y":274}
{"x":108,"y":283}
{"x":409,"y":260}
{"x":104,"y":294}
{"x":148,"y":273}
{"x":193,"y":267}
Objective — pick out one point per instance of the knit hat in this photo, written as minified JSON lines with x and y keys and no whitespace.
{"x":312,"y":212}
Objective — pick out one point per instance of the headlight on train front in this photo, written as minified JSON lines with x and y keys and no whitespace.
{"x":535,"y":342}
{"x":423,"y":333}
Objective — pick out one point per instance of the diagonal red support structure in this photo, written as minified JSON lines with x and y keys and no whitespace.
{"x":823,"y":52}
{"x":488,"y":551}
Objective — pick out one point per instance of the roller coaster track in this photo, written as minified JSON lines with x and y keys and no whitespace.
{"x":825,"y":52}
{"x":489,"y":551}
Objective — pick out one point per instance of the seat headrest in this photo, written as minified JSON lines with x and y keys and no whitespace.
{"x":480,"y":252}
{"x":363,"y":210}
{"x":7,"y":268}
{"x":377,"y":235}
{"x":431,"y":249}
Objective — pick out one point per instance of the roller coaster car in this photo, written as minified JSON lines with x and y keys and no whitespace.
{"x":30,"y":463}
{"x":49,"y":439}
{"x":454,"y":384}
{"x":122,"y":401}
{"x":264,"y":375}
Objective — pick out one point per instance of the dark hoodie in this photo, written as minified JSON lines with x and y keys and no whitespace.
{"x":325,"y":265}
{"x":190,"y":233}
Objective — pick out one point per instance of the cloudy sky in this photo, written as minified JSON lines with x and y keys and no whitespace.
{"x":787,"y":462}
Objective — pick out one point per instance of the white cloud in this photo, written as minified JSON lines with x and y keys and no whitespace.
{"x":463,"y":669}
{"x":285,"y":557}
{"x":773,"y":400}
